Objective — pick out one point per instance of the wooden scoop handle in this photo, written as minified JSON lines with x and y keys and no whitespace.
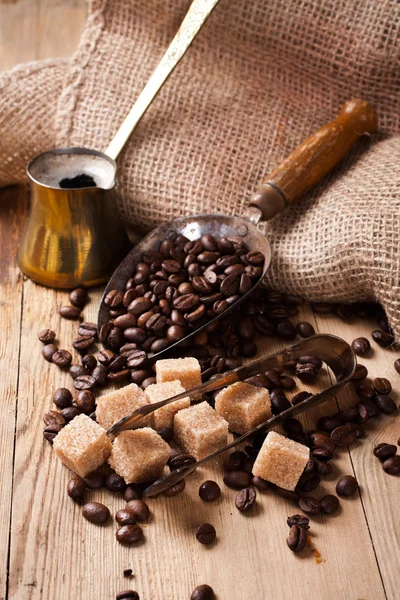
{"x":314,"y":158}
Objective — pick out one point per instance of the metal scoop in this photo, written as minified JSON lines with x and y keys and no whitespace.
{"x":332,"y":350}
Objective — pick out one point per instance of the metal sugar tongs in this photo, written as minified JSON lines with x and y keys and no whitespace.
{"x":332,"y":350}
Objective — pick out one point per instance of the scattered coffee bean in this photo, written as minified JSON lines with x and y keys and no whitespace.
{"x":61,"y":358}
{"x":62,"y":398}
{"x":83,"y":343}
{"x":77,"y":371}
{"x":76,"y":488}
{"x":367,"y":410}
{"x":140,"y":508}
{"x":322,"y":468}
{"x":297,"y":538}
{"x":299,"y":521}
{"x":305,"y":329}
{"x":329,"y":504}
{"x":346,"y":486}
{"x":47,"y":336}
{"x":384,"y":451}
{"x":88,"y":328}
{"x":392,"y":465}
{"x":95,"y":480}
{"x":328,"y":424}
{"x":345,"y":435}
{"x":206,"y":534}
{"x":85,"y":401}
{"x":96,"y":512}
{"x":203,"y":592}
{"x":382,"y":338}
{"x":292,"y":426}
{"x":297,"y":398}
{"x":279,"y":401}
{"x":365,"y":389}
{"x":48,"y":352}
{"x":261,"y":484}
{"x":245,"y":499}
{"x":129,"y":534}
{"x":132,"y":492}
{"x":237,"y":479}
{"x":78,"y":297}
{"x":310,"y":505}
{"x":85,"y":382}
{"x":127,"y":594}
{"x":348,"y":416}
{"x":70,"y":413}
{"x":361,"y":346}
{"x":126,"y":516}
{"x":308,"y":482}
{"x":70,"y":312}
{"x":397,"y":365}
{"x":115,"y":483}
{"x":360,"y":373}
{"x":234,"y":462}
{"x":385,"y":404}
{"x":382,"y":385}
{"x":209,"y":491}
{"x":175,"y":489}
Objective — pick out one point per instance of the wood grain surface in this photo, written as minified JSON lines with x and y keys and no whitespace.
{"x":48,"y":551}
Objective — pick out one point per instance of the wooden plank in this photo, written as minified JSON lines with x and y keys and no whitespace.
{"x":55,"y":553}
{"x":12,"y":207}
{"x":379,"y":491}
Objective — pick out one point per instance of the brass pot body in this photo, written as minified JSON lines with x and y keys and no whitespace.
{"x":73,"y":237}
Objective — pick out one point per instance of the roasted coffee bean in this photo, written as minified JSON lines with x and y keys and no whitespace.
{"x":145,"y":383}
{"x":382,"y":338}
{"x":105,"y":332}
{"x":105,"y":357}
{"x":135,"y":334}
{"x":99,"y":374}
{"x":70,"y":312}
{"x":48,"y":352}
{"x":175,"y":333}
{"x":230,"y":285}
{"x":279,"y":402}
{"x":125,"y":321}
{"x":140,"y":375}
{"x":286,"y":330}
{"x":322,"y":308}
{"x":322,"y":467}
{"x":360,"y":373}
{"x":140,"y":305}
{"x":83,"y":342}
{"x":203,"y":592}
{"x":206,"y":534}
{"x":392,"y":465}
{"x":70,"y":413}
{"x":365,"y":389}
{"x":54,"y":420}
{"x":397,"y":365}
{"x":263,"y":325}
{"x":140,"y":509}
{"x":95,"y":480}
{"x":114,"y":298}
{"x":159,"y":345}
{"x":385,"y":404}
{"x":132,"y":492}
{"x":346,"y":486}
{"x":49,"y":435}
{"x":298,"y":520}
{"x":209,"y":491}
{"x":292,"y":495}
{"x":382,"y":385}
{"x":180,"y":460}
{"x":329,"y":504}
{"x":274,"y":378}
{"x":306,"y":372}
{"x":328,"y":424}
{"x":77,"y":371}
{"x":136,"y":359}
{"x":367,"y":410}
{"x":76,"y":488}
{"x":47,"y":336}
{"x":300,"y":397}
{"x":96,"y":512}
{"x":310,"y":505}
{"x":345,"y":435}
{"x":237,"y":479}
{"x":85,"y":401}
{"x":234,"y":462}
{"x":261,"y":484}
{"x":310,"y":360}
{"x":129,"y":534}
{"x":308,"y":482}
{"x":292,"y":426}
{"x":297,"y":538}
{"x":351,"y":415}
{"x":127,"y":594}
{"x":61,"y":358}
{"x":245,"y":499}
{"x":118,"y":363}
{"x":115,"y":483}
{"x":62,"y":398}
{"x":361,"y":346}
{"x":305,"y":329}
{"x":166,"y":433}
{"x":175,"y":489}
{"x":384,"y":451}
{"x":125,"y":516}
{"x":87,"y":328}
{"x":288,"y":383}
{"x":78,"y":297}
{"x":85,"y":382}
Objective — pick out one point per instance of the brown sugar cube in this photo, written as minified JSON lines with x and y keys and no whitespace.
{"x":185,"y":370}
{"x":281,"y":461}
{"x":200,"y":430}
{"x":244,"y":406}
{"x":114,"y":406}
{"x":82,"y":445}
{"x":164,"y":416}
{"x":139,"y":455}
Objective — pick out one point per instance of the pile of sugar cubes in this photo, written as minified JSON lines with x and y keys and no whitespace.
{"x":141,"y":454}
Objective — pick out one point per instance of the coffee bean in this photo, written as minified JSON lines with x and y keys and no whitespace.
{"x":322,"y":468}
{"x":61,"y":358}
{"x":76,"y":488}
{"x":299,"y":520}
{"x":285,"y":330}
{"x":175,"y":489}
{"x":328,"y":424}
{"x":392,"y":465}
{"x":367,"y":410}
{"x":125,"y":516}
{"x":127,"y":594}
{"x":203,"y":592}
{"x":306,"y":372}
{"x":360,"y":373}
{"x":99,"y":375}
{"x":300,"y":397}
{"x":237,"y":479}
{"x":87,"y":328}
{"x":96,"y":512}
{"x":384,"y":451}
{"x":310,"y":360}
{"x":308,"y":482}
{"x":78,"y":297}
{"x":261,"y":484}
{"x":365,"y":389}
{"x":385,"y":404}
{"x":115,"y":483}
{"x":279,"y":402}
{"x":62,"y":398}
{"x":85,"y":401}
{"x":310,"y":505}
{"x":70,"y":312}
{"x":323,"y":441}
{"x":140,"y":509}
{"x":351,"y":415}
{"x":209,"y":491}
{"x":180,"y":460}
{"x":297,"y":538}
{"x":140,"y":375}
{"x":305,"y":329}
{"x":382,"y":385}
{"x":382,"y":338}
{"x":346,"y":486}
{"x":234,"y":462}
{"x":245,"y":499}
{"x":206,"y":534}
{"x":361,"y":346}
{"x":129,"y":534}
{"x":47,"y":336}
{"x":292,"y":426}
{"x":95,"y":480}
{"x":70,"y":413}
{"x":345,"y":435}
{"x":132,"y":492}
{"x":292,"y":495}
{"x":85,"y":382}
{"x":288,"y":383}
{"x":48,"y":352}
{"x":397,"y":365}
{"x":77,"y":371}
{"x":329,"y":504}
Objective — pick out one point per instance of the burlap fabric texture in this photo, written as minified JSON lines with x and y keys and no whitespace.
{"x":261,"y":76}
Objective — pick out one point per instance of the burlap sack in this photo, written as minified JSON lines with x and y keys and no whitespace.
{"x":260,"y":77}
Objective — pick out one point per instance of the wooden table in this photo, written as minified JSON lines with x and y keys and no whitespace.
{"x":48,"y":551}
